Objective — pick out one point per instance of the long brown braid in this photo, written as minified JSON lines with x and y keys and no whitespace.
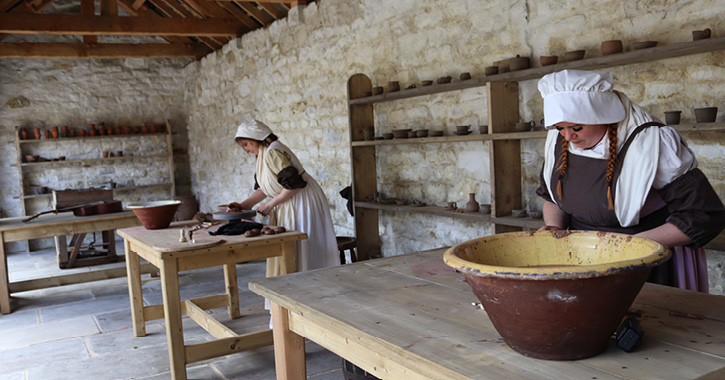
{"x":611,"y":162}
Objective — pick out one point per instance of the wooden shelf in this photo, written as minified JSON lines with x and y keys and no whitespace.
{"x":526,"y":222}
{"x":125,"y":188}
{"x":626,"y":58}
{"x":44,"y":140}
{"x":165,"y":155}
{"x":682,"y":128}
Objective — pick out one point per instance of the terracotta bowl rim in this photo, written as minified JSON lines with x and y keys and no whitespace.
{"x":659,"y":254}
{"x":152,"y":204}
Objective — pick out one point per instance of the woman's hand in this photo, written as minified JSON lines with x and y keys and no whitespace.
{"x":265,"y":208}
{"x":234,"y":207}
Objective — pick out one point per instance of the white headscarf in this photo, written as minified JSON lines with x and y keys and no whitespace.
{"x":588,"y":98}
{"x":253,"y":129}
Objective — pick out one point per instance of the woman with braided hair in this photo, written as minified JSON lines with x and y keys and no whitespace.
{"x":610,"y":166}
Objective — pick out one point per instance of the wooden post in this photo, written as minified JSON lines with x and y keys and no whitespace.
{"x":289,"y":348}
{"x":4,"y":281}
{"x":135,"y":291}
{"x":172,"y":317}
{"x":230,"y":280}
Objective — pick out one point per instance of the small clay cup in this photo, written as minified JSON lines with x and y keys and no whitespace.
{"x":706,"y":115}
{"x":462,"y":128}
{"x":485,"y":208}
{"x":393,"y":86}
{"x":451,"y":206}
{"x":574,"y":55}
{"x":701,"y":34}
{"x":612,"y":47}
{"x":548,"y":60}
{"x":105,"y":154}
{"x":519,"y":63}
{"x":443,"y":80}
{"x":491,"y":70}
{"x":465,"y":76}
{"x":483,"y":129}
{"x":672,"y":117}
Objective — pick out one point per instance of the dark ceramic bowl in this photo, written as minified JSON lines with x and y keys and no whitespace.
{"x":705,"y":115}
{"x":401,"y":133}
{"x":547,"y":60}
{"x":556,"y":295}
{"x":612,"y":47}
{"x":377,"y":90}
{"x":519,"y":63}
{"x":156,"y":214}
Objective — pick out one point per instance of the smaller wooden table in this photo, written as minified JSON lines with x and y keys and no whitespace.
{"x":162,"y":249}
{"x":51,"y":225}
{"x":411,"y":317}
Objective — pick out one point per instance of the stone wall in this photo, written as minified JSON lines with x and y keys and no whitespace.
{"x":76,"y":93}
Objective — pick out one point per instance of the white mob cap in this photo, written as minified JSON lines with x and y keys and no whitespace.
{"x":582,"y":97}
{"x":253,"y":129}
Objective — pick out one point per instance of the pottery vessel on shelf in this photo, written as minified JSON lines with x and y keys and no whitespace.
{"x":462,"y":128}
{"x":118,"y":129}
{"x":24,"y":133}
{"x":105,"y":154}
{"x":485,"y":208}
{"x":612,"y":47}
{"x":701,"y":34}
{"x":465,"y":76}
{"x":443,"y":80}
{"x":82,"y":133}
{"x":422,"y":133}
{"x":412,"y":86}
{"x":412,"y":134}
{"x":144,"y":128}
{"x":706,"y":115}
{"x":64,"y":131}
{"x":491,"y":70}
{"x":127,"y":130}
{"x":472,"y":205}
{"x":400,"y":133}
{"x":109,"y":131}
{"x":101,"y":131}
{"x":483,"y":129}
{"x":388,"y":135}
{"x":672,"y":117}
{"x":435,"y":133}
{"x":119,"y":153}
{"x":451,"y":206}
{"x":377,"y":90}
{"x":556,"y":297}
{"x":47,"y":133}
{"x":519,"y":63}
{"x":643,"y":45}
{"x":547,"y":60}
{"x":574,"y":55}
{"x":503,"y":66}
{"x":393,"y":86}
{"x":54,"y":132}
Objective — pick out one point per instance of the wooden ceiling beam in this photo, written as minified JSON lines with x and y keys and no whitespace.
{"x":109,"y":7}
{"x":175,"y":9}
{"x":5,"y":5}
{"x":142,"y":10}
{"x":255,"y":13}
{"x":118,"y":25}
{"x":81,"y":50}
{"x":88,"y":8}
{"x":241,"y":16}
{"x":273,"y":10}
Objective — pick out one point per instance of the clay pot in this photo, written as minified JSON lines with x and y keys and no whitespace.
{"x":154,"y":128}
{"x":54,"y":132}
{"x":547,"y":60}
{"x":23,"y":133}
{"x":155,"y":215}
{"x":82,"y":133}
{"x":672,"y":117}
{"x":462,"y":128}
{"x":109,"y":207}
{"x":127,"y":130}
{"x":472,"y":205}
{"x":701,"y":34}
{"x":72,"y":132}
{"x":643,"y":45}
{"x":47,"y":133}
{"x":556,"y":297}
{"x":64,"y":131}
{"x":574,"y":55}
{"x":491,"y":70}
{"x":144,"y":128}
{"x":483,"y":129}
{"x":465,"y":76}
{"x":612,"y":47}
{"x":519,"y":63}
{"x":443,"y":80}
{"x":451,"y":206}
{"x":706,"y":115}
{"x":119,"y":153}
{"x":105,"y":154}
{"x":109,"y":131}
{"x":388,"y":136}
{"x":188,"y":207}
{"x":400,"y":133}
{"x":412,"y":134}
{"x":518,"y":213}
{"x":485,"y":208}
{"x":101,"y":131}
{"x":393,"y":86}
{"x":435,"y":133}
{"x":118,"y":130}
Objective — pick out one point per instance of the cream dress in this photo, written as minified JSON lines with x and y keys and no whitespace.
{"x":306,"y":211}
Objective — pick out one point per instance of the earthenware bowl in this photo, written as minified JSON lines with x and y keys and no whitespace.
{"x":701,"y":34}
{"x":155,"y":215}
{"x":547,"y":60}
{"x":612,"y":47}
{"x":443,"y":80}
{"x":400,"y":133}
{"x":377,"y":90}
{"x":465,"y":76}
{"x":672,"y":117}
{"x":556,"y":295}
{"x":393,"y":86}
{"x":706,"y":115}
{"x":484,"y":208}
{"x":519,"y":63}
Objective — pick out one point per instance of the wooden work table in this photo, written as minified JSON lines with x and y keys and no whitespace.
{"x":50,"y":225}
{"x":162,"y":249}
{"x":411,"y":317}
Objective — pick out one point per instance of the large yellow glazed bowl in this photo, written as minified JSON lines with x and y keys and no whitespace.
{"x":556,"y":295}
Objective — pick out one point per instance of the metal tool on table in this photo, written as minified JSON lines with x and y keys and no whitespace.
{"x":65,"y":209}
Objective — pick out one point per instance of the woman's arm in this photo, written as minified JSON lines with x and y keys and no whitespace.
{"x":667,"y":234}
{"x":247,"y":204}
{"x":284,"y":195}
{"x":554,"y":217}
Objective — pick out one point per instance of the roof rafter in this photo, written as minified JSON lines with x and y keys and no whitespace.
{"x":82,"y":50}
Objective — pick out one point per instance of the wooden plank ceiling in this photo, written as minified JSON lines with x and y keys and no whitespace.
{"x":183,"y":28}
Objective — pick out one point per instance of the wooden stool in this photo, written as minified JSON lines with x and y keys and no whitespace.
{"x":346,"y":243}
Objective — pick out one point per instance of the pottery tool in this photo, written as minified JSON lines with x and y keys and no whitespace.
{"x":234,"y":215}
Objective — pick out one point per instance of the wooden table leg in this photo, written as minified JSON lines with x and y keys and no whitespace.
{"x":135,"y":291}
{"x":288,"y":260}
{"x":4,"y":280}
{"x":230,"y":280}
{"x":172,"y":316}
{"x":289,"y":348}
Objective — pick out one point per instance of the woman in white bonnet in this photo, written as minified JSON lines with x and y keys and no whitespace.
{"x":610,"y":166}
{"x":296,"y":200}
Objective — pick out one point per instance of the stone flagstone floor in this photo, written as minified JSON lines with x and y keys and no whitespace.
{"x":83,"y":331}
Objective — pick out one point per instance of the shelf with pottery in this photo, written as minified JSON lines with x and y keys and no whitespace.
{"x":525,"y":222}
{"x":682,"y":128}
{"x":115,"y":189}
{"x":679,"y":49}
{"x":22,"y":144}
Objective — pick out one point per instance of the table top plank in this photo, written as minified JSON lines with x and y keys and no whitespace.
{"x":410,"y":306}
{"x":48,"y":225}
